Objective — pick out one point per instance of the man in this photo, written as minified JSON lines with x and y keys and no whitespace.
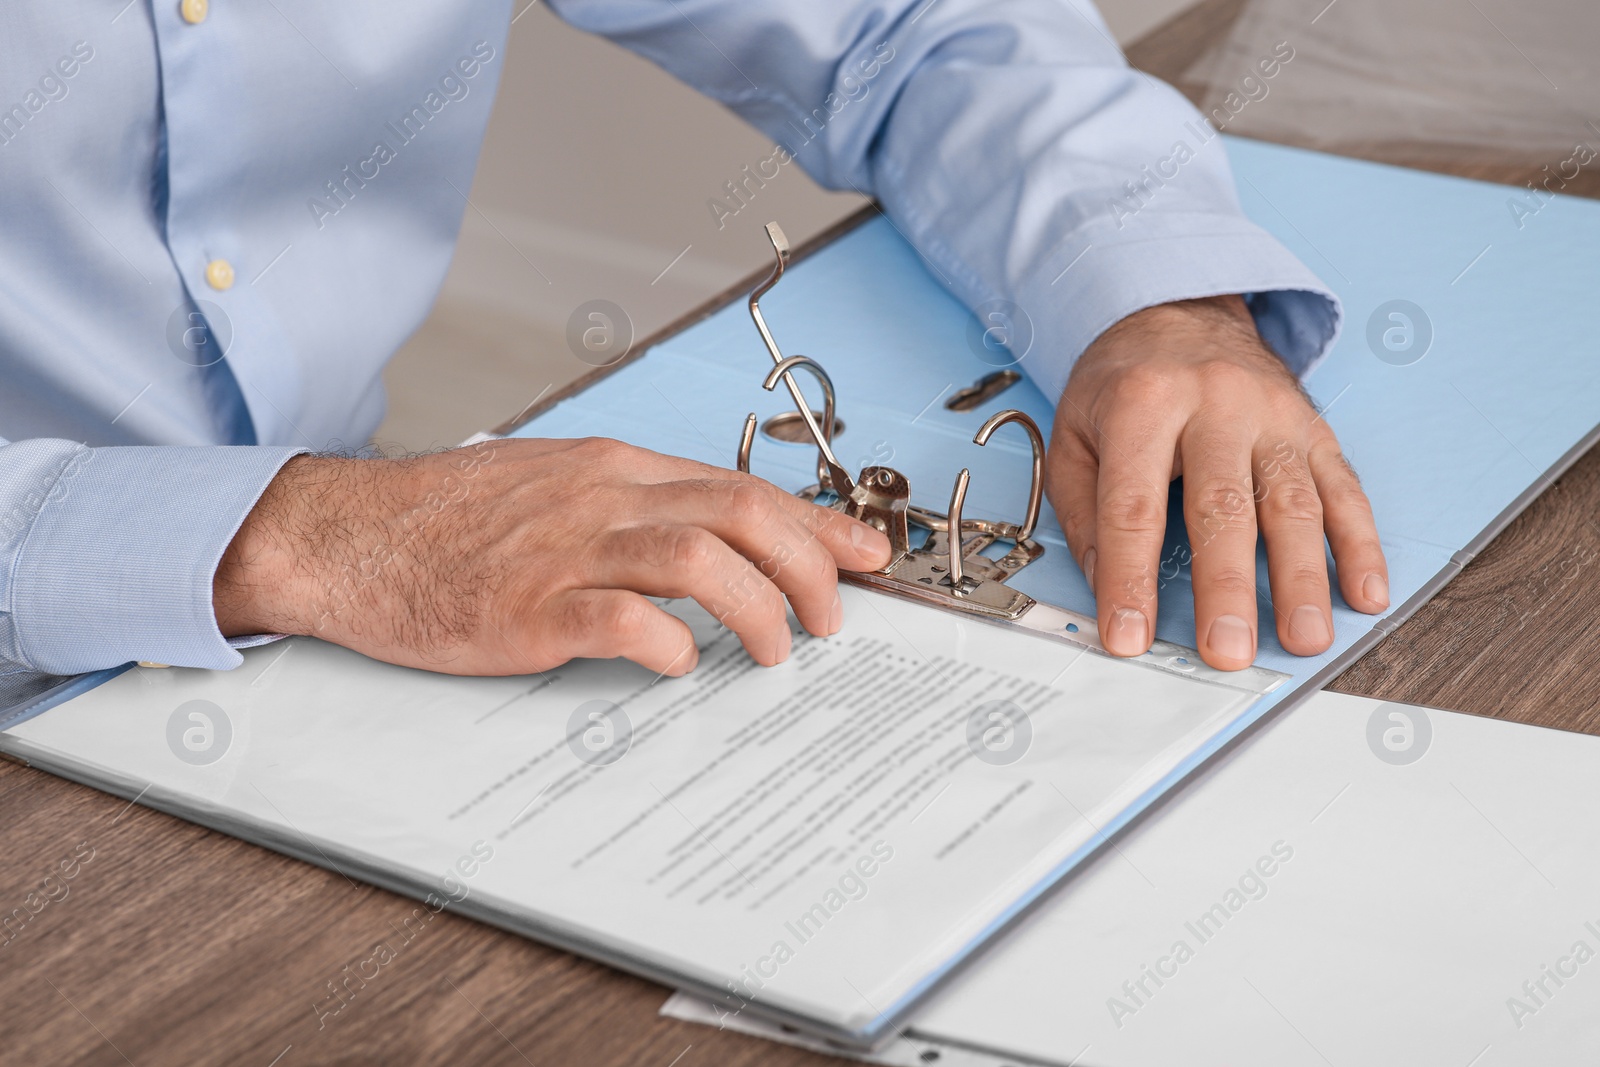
{"x":283,"y":183}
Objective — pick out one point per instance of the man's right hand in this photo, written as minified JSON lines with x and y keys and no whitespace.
{"x":514,"y":556}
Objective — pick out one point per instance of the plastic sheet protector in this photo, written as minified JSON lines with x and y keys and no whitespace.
{"x":814,"y":842}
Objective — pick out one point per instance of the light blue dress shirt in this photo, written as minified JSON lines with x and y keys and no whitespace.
{"x":324,"y":151}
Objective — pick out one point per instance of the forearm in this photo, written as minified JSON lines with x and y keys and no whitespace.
{"x":1010,"y":143}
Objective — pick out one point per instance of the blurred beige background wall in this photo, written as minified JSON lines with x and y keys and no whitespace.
{"x":593,"y":185}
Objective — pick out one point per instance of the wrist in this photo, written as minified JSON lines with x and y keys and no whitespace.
{"x":275,"y":569}
{"x":1228,"y":313}
{"x":1206,"y":330}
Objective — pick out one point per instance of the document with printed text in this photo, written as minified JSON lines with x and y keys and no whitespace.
{"x":816,"y":842}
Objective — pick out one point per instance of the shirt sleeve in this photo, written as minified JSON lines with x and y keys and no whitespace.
{"x":1010,"y":142}
{"x":107,"y":554}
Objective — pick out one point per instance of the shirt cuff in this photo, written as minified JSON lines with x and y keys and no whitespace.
{"x":119,"y":562}
{"x":1103,"y":273}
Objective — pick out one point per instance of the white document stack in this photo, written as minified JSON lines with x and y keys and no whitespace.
{"x":815,"y":842}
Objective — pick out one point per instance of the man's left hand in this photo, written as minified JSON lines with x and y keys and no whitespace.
{"x":1189,"y":390}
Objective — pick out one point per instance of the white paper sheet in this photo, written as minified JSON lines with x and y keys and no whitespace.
{"x":817,"y":838}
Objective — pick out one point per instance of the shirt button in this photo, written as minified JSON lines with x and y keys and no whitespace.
{"x":219,"y":273}
{"x":194,"y":11}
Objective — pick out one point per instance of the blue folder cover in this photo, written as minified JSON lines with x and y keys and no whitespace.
{"x":1455,"y":414}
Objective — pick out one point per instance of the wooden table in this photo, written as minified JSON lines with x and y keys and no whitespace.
{"x":175,"y":944}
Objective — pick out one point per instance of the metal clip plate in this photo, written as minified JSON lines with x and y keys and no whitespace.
{"x":921,"y":577}
{"x":923,"y":573}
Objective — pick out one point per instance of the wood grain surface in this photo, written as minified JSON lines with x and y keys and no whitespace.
{"x":176,"y":945}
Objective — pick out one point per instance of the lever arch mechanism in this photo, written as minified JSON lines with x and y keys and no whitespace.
{"x":948,"y":567}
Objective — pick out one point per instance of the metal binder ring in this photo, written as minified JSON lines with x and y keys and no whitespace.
{"x":747,"y":439}
{"x":958,"y":500}
{"x":1036,"y":489}
{"x":829,"y":473}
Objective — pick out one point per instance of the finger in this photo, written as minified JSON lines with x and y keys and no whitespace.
{"x":1073,"y":474}
{"x":691,"y":561}
{"x":1219,"y":510}
{"x":1352,"y":532}
{"x":752,"y":519}
{"x":606,"y":623}
{"x":854,"y":545}
{"x":1130,"y":525}
{"x":1291,"y":513}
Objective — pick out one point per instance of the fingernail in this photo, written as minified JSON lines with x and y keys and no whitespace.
{"x":1376,"y":589}
{"x":1231,"y":638}
{"x":1129,"y":634}
{"x":785,"y":641}
{"x":1310,"y":625}
{"x":1089,"y":559}
{"x":836,"y":614}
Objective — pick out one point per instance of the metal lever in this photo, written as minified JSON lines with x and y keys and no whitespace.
{"x":780,"y":247}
